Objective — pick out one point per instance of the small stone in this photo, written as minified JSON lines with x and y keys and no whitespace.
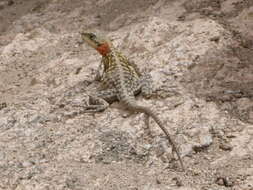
{"x":178,"y":181}
{"x":206,"y":140}
{"x":158,"y":181}
{"x":125,"y":115}
{"x":230,"y":135}
{"x":226,"y":147}
{"x":224,"y":181}
{"x":204,"y":136}
{"x":26,"y":164}
{"x":3,"y":105}
{"x":220,"y":181}
{"x":78,"y":70}
{"x":228,"y":182}
{"x":196,"y":172}
{"x":215,"y":39}
{"x":181,"y":18}
{"x":186,"y":150}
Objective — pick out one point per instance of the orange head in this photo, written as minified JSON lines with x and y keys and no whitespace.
{"x":101,"y":45}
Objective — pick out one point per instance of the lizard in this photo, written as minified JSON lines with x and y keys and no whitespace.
{"x":122,"y":80}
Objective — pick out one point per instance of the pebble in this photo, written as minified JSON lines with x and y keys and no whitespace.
{"x":224,"y":181}
{"x":186,"y":150}
{"x":206,"y":140}
{"x":226,"y":146}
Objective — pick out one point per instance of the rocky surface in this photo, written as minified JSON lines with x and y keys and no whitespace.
{"x":200,"y":55}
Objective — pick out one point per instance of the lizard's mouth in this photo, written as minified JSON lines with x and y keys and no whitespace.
{"x":91,"y":39}
{"x":100,"y":45}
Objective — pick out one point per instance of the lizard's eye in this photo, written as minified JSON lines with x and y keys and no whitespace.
{"x":92,"y":36}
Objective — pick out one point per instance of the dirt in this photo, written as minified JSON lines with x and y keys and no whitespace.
{"x":229,"y":80}
{"x":200,"y":55}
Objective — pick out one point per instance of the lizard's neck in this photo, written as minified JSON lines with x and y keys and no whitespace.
{"x":108,"y":60}
{"x":104,"y":49}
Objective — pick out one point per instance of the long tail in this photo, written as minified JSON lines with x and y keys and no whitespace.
{"x":132,"y":104}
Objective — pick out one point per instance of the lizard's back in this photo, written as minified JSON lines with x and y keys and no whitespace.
{"x":119,"y":74}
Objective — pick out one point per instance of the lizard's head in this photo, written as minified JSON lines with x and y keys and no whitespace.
{"x":101,"y":45}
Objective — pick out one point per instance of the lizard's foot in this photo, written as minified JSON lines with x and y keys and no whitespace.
{"x":96,"y":104}
{"x":179,"y":158}
{"x":93,"y":108}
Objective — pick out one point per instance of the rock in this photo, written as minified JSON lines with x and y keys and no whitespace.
{"x":26,"y":164}
{"x":186,"y":149}
{"x":205,"y":139}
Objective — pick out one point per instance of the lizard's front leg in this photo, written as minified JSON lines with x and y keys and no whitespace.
{"x":101,"y":101}
{"x":99,"y":73}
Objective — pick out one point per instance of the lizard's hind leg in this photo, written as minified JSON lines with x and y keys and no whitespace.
{"x":146,"y":85}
